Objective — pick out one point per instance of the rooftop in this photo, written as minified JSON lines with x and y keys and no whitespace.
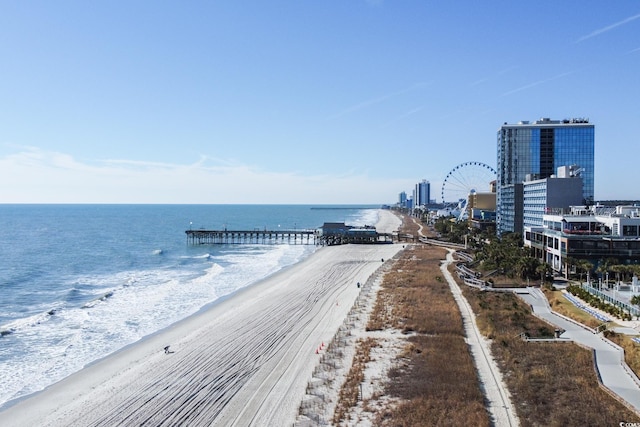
{"x":545,"y":121}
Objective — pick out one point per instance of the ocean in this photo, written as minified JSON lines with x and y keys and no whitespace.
{"x":78,"y":282}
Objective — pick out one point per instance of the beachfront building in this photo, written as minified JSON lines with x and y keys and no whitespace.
{"x":594,"y":234}
{"x":338,"y":233}
{"x":537,"y":149}
{"x":422,"y":193}
{"x":482,"y":208}
{"x":402,"y":199}
{"x":509,"y":208}
{"x":540,"y":196}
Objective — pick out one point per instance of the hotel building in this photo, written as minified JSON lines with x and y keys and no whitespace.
{"x":594,"y":234}
{"x":535,"y":151}
{"x":422,"y":193}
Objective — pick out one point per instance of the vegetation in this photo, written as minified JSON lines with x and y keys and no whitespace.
{"x":563,"y":306}
{"x":350,"y":391}
{"x":631,"y":349}
{"x":508,"y":257}
{"x":598,"y":303}
{"x":451,"y":230}
{"x":580,"y":266}
{"x":551,"y":384}
{"x":436,"y":381}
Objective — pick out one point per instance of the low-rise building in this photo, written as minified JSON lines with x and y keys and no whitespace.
{"x":539,"y":196}
{"x":594,"y":234}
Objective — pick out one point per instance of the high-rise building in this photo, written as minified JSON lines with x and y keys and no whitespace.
{"x":422,"y":193}
{"x":402,"y":198}
{"x":535,"y":151}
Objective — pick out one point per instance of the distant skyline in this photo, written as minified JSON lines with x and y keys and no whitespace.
{"x":327,"y":102}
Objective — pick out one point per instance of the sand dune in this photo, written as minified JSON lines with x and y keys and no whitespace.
{"x":244,"y":361}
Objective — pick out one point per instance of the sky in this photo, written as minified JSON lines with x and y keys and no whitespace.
{"x":300,"y":102}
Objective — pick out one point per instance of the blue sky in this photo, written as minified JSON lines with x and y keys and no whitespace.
{"x":345,"y":101}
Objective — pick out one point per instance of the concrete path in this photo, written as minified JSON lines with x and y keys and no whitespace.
{"x":496,"y":393}
{"x":615,"y":375}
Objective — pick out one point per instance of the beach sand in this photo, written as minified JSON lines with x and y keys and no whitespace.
{"x":243,"y":361}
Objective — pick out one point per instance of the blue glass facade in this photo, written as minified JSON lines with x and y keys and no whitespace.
{"x":575,"y":146}
{"x":422,"y":193}
{"x":537,"y":150}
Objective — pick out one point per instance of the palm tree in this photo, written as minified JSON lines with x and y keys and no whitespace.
{"x":569,"y":265}
{"x":543,"y":269}
{"x":527,"y":267}
{"x":605,"y":267}
{"x":583,"y":266}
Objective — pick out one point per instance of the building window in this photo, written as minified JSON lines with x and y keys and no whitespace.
{"x":629,"y":230}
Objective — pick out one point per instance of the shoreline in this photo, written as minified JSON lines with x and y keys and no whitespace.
{"x":244,"y":359}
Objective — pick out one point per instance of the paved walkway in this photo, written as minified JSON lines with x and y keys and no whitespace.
{"x":614,"y":374}
{"x":497,"y":395}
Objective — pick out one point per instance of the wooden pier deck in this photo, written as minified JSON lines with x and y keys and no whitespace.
{"x":328,"y":235}
{"x":263,"y":237}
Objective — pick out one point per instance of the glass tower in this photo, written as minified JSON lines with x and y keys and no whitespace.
{"x":535,"y":151}
{"x":422,"y":193}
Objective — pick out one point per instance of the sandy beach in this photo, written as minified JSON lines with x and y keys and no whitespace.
{"x":243,"y":361}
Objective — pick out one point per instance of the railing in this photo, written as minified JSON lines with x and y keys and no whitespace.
{"x":635,"y":311}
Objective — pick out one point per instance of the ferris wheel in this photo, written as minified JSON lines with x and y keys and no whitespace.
{"x":466,"y":178}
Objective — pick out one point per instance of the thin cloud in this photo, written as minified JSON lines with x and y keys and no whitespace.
{"x":539,"y":82}
{"x":498,"y":74}
{"x":478,"y":82}
{"x":608,"y":28}
{"x":41,"y":176}
{"x":371,"y":102}
{"x":405,"y":115}
{"x":508,"y":70}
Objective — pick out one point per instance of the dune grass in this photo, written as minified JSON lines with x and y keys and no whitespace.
{"x":550,"y":383}
{"x":435,"y":382}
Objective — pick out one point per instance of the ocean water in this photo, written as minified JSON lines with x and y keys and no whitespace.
{"x":78,"y":282}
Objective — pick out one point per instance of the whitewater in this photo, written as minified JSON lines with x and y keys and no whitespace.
{"x":79,"y":282}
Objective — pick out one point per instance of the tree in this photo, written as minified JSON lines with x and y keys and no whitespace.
{"x":582,"y":267}
{"x":527,"y":267}
{"x":543,"y":269}
{"x":604,"y":266}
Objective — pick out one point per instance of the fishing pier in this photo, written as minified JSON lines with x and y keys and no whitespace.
{"x":330,"y":234}
{"x":257,"y":237}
